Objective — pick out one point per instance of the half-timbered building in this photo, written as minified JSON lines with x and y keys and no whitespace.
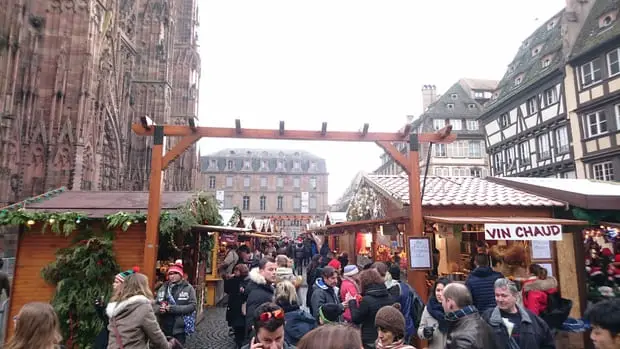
{"x":593,"y":94}
{"x":525,"y":121}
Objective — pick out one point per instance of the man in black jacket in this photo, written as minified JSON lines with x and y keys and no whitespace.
{"x":467,"y":330}
{"x":480,"y":283}
{"x":516,"y":327}
{"x":175,"y":304}
{"x":260,"y":288}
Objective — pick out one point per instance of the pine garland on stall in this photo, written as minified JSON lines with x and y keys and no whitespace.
{"x":81,"y":274}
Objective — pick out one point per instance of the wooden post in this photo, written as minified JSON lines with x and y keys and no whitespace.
{"x":415,"y":278}
{"x":151,"y":243}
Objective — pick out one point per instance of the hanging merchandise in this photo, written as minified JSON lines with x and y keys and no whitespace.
{"x":602,"y":263}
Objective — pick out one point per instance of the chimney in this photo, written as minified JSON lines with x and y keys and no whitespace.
{"x":429,"y":96}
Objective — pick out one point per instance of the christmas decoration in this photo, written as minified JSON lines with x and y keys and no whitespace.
{"x":81,"y":273}
{"x":365,"y":205}
{"x":602,"y":262}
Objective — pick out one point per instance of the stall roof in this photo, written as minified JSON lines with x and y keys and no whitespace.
{"x":220,"y":229}
{"x":584,"y":193}
{"x":507,"y":220}
{"x":97,"y":204}
{"x":357,"y":224}
{"x":458,"y":191}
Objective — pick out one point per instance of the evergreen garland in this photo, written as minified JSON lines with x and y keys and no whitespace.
{"x":81,"y":274}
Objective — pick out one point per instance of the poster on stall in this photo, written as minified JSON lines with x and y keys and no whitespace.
{"x":541,"y":232}
{"x":420,"y":257}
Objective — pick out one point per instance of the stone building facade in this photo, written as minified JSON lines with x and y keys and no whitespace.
{"x":74,"y":76}
{"x":267,"y":183}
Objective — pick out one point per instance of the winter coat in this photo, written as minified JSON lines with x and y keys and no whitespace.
{"x":287,"y":274}
{"x":348,"y":286}
{"x":321,"y":295}
{"x":257,"y":292}
{"x":533,"y":333}
{"x":235,"y":288}
{"x":481,"y":285}
{"x":471,"y":332}
{"x":536,"y":293}
{"x":297,"y":322}
{"x":286,"y":346}
{"x":300,"y":251}
{"x":101,"y":341}
{"x":136,"y":324}
{"x":375,"y":298}
{"x":438,"y":340}
{"x":184,"y":295}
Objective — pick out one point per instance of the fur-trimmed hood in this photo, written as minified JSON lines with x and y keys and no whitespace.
{"x":541,"y":285}
{"x":257,"y":277}
{"x":115,"y":308}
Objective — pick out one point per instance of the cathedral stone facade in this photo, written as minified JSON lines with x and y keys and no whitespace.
{"x":74,"y":76}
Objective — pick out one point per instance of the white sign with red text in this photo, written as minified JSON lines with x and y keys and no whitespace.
{"x":543,"y":232}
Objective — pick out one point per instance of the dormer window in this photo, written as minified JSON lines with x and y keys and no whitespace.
{"x":504,"y":120}
{"x":454,"y":96}
{"x":264,"y":165}
{"x":213,"y":164}
{"x":280,"y":165}
{"x":551,"y":24}
{"x":471,"y":106}
{"x":546,"y":62}
{"x":518,"y":80}
{"x":296,"y":165}
{"x":247,"y":164}
{"x":450,"y":106}
{"x":511,"y":69}
{"x":536,"y":50}
{"x":495,"y":95}
{"x":607,"y":19}
{"x":526,"y":43}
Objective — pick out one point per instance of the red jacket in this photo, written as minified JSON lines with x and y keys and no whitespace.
{"x":348,"y":286}
{"x":537,"y":291}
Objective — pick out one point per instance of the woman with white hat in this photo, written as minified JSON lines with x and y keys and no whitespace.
{"x":349,"y":287}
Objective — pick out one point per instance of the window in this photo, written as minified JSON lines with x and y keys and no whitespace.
{"x":440,"y":150}
{"x":263,"y":203}
{"x":544,"y":149}
{"x":551,"y":24}
{"x":591,"y":72}
{"x":229,"y":164}
{"x":438,"y":124}
{"x":247,"y":164}
{"x":264,"y":165}
{"x":475,"y":149}
{"x":617,"y":112}
{"x":472,"y":125}
{"x":605,"y":21}
{"x":313,"y":166}
{"x":312,"y":203}
{"x":460,"y":172}
{"x":280,"y":203}
{"x":471,"y":106}
{"x":478,"y":94}
{"x":441,"y":171}
{"x":510,"y":156}
{"x":246,"y":182}
{"x":296,"y":182}
{"x":246,"y":203}
{"x":518,"y":80}
{"x":504,"y":120}
{"x":297,"y":203}
{"x":296,"y":165}
{"x":211,"y":182}
{"x":524,"y":153}
{"x":280,"y":182}
{"x":532,"y":106}
{"x":475,"y":172}
{"x":536,"y":50}
{"x":459,"y":149}
{"x":263,"y":182}
{"x":457,"y":125}
{"x":498,"y":161}
{"x":312,"y":182}
{"x":280,"y":165}
{"x":603,"y":171}
{"x":454,"y":96}
{"x":613,"y":62}
{"x":551,"y":96}
{"x":596,"y":124}
{"x":561,"y":140}
{"x":228,"y":201}
{"x":450,"y":106}
{"x":546,"y":62}
{"x":213,"y":164}
{"x":229,"y":181}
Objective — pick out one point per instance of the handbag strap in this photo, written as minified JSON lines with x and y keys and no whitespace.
{"x":119,"y":341}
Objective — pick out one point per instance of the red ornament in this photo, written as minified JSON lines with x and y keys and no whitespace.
{"x":99,"y":262}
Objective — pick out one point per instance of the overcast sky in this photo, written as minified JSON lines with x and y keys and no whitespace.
{"x":347,"y":62}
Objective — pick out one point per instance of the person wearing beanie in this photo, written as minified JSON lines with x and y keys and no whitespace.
{"x":175,"y":304}
{"x":329,"y":313}
{"x":390,"y":325}
{"x":349,"y":287}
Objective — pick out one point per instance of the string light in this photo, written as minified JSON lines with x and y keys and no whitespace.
{"x":30,"y":222}
{"x":52,"y":220}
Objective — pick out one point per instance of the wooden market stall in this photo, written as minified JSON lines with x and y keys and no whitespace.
{"x":53,"y":220}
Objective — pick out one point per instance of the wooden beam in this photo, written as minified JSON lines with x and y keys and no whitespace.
{"x":178,"y":149}
{"x":398,"y":157}
{"x":300,"y":135}
{"x":151,"y":242}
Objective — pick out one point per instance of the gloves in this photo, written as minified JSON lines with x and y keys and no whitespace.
{"x":427,"y":332}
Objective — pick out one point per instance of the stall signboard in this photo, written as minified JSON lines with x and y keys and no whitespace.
{"x":420,"y":257}
{"x":501,"y":231}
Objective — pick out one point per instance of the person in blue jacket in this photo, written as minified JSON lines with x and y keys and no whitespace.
{"x":480,"y":283}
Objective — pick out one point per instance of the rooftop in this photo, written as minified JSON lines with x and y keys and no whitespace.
{"x":264,"y":153}
{"x":593,"y":34}
{"x":544,"y":43}
{"x":447,"y":106}
{"x":459,"y":191}
{"x":480,"y":84}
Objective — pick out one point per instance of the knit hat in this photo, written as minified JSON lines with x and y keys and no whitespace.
{"x":350,"y":270}
{"x":177,"y":267}
{"x":120,"y":277}
{"x":330,"y":312}
{"x":390,"y":319}
{"x":395,"y":272}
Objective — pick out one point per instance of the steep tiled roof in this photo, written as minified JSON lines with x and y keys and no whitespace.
{"x":480,"y":84}
{"x":460,"y":104}
{"x":592,"y":35}
{"x":529,"y":65}
{"x":458,"y":191}
{"x":571,"y":185}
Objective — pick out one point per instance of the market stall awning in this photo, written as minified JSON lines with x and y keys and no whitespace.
{"x":358,"y":225}
{"x":230,"y":230}
{"x":513,"y":220}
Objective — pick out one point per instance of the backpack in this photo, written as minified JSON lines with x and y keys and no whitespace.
{"x":411,"y":305}
{"x":557,"y":310}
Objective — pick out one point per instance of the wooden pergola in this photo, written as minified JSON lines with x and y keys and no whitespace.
{"x":191,"y":133}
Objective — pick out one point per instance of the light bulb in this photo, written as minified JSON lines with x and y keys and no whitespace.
{"x":30,"y":222}
{"x":51,"y":220}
